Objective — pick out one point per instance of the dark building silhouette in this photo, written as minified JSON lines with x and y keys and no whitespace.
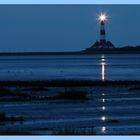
{"x":108,"y":44}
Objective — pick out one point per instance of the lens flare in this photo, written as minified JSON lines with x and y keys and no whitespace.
{"x":102,"y":17}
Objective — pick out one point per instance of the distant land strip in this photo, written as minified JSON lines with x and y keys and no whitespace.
{"x":123,"y":50}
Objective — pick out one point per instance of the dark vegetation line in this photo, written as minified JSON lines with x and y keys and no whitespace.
{"x":18,"y":96}
{"x":66,"y":83}
{"x":122,"y":50}
{"x":71,"y":95}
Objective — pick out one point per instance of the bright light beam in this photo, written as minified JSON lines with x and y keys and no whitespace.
{"x":102,"y":17}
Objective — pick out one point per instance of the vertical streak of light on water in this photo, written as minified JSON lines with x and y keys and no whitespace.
{"x":103,"y":64}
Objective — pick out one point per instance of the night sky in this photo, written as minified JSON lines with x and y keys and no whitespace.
{"x":26,"y":28}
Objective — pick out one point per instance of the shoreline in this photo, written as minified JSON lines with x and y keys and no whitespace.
{"x":83,"y":52}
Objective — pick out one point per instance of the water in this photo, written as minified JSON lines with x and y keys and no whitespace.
{"x":109,"y":111}
{"x":93,"y":67}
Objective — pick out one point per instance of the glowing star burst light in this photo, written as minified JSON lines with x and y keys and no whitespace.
{"x":102,"y":17}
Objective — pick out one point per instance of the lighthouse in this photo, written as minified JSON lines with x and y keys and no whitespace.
{"x":102,"y":20}
{"x":102,"y":43}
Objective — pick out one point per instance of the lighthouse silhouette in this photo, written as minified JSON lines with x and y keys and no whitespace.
{"x":102,"y":43}
{"x":102,"y":34}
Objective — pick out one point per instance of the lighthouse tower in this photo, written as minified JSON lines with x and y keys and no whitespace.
{"x":102,"y":19}
{"x":102,"y":35}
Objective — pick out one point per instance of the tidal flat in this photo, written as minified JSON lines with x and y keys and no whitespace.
{"x":69,"y":107}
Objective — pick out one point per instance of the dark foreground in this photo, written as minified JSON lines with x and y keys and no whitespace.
{"x":69,"y":107}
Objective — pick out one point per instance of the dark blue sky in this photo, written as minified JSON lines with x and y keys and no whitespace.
{"x":65,"y":28}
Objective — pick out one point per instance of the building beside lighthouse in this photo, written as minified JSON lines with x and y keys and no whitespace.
{"x":102,"y":43}
{"x":98,"y":45}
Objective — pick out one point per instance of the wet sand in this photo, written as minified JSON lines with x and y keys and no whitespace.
{"x":111,"y":108}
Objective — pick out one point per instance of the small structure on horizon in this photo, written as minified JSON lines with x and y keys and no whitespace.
{"x":97,"y":45}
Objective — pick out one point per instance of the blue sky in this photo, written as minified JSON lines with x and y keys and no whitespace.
{"x":65,"y":28}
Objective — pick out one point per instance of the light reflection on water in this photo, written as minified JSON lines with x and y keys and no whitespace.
{"x":103,"y":129}
{"x":103,"y":65}
{"x":103,"y":100}
{"x":103,"y":108}
{"x":103,"y":118}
